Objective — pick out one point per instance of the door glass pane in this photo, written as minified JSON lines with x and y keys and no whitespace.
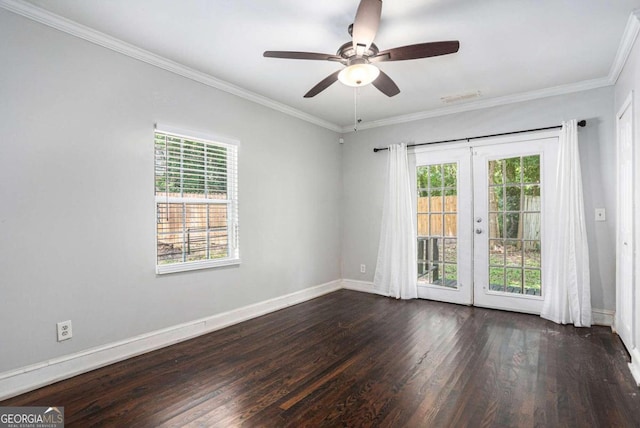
{"x":437,"y":251}
{"x":496,"y":279}
{"x":512,"y":170}
{"x":435,"y":201}
{"x":515,"y":225}
{"x":437,"y":219}
{"x":496,"y":252}
{"x":512,"y":225}
{"x":451,"y":251}
{"x":450,"y":273}
{"x":514,"y":280}
{"x":532,"y":256}
{"x":436,"y":225}
{"x":531,"y":169}
{"x":531,"y":222}
{"x":496,"y":172}
{"x":450,"y":175}
{"x":450,"y":223}
{"x":514,"y":253}
{"x":495,"y":225}
{"x":436,"y":176}
{"x":423,"y":224}
{"x":532,"y":281}
{"x":495,"y":198}
{"x":513,"y":198}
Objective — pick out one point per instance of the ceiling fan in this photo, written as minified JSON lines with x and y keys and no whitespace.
{"x":359,"y":55}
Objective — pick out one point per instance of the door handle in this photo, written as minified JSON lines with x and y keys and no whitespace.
{"x":478,"y":231}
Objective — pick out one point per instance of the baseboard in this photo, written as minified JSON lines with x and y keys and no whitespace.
{"x":603,"y":317}
{"x":31,"y":377}
{"x":634,"y":365}
{"x":363,"y":286}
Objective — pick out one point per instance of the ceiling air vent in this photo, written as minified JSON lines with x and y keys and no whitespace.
{"x":460,"y":97}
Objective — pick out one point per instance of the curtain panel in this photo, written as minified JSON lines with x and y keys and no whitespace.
{"x":567,"y":297}
{"x":396,"y":267}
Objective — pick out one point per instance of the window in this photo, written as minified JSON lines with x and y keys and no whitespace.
{"x":196,"y":196}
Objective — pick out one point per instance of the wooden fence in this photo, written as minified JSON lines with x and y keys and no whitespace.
{"x":437,"y":216}
{"x":195,"y":219}
{"x":442,"y":215}
{"x":530,"y":225}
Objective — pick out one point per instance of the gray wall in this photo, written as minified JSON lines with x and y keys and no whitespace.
{"x":363,"y":174}
{"x":77,"y":219}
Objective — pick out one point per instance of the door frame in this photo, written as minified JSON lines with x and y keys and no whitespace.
{"x":470,"y":145}
{"x":626,"y":334}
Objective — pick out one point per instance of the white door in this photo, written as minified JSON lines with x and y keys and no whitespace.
{"x":480,"y":221}
{"x":443,"y":203}
{"x":624,"y":242}
{"x":513,"y":196}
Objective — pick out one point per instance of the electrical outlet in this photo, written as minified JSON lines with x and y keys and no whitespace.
{"x":601,"y":214}
{"x":363,"y":268}
{"x":64,"y":330}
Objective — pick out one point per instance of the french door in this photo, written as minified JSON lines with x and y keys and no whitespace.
{"x":444,"y":212}
{"x":481,"y":217}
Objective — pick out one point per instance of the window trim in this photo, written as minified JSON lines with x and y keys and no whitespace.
{"x":197,"y":265}
{"x":232,"y":202}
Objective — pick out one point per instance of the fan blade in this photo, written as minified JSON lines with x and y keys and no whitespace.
{"x":324,"y":84}
{"x":301,"y":55}
{"x":365,"y":26}
{"x":421,"y":50}
{"x":386,"y":85}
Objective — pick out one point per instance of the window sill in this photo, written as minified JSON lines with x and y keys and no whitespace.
{"x":205,"y":264}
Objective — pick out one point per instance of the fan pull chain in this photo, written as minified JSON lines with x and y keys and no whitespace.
{"x":356,"y":121}
{"x":355,"y":109}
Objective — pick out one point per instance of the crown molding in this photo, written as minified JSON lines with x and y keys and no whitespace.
{"x":50,"y":19}
{"x":626,"y":44}
{"x":486,"y":103}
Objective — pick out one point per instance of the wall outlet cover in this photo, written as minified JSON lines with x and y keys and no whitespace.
{"x":64,"y":330}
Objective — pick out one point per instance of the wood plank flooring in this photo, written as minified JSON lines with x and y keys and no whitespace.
{"x":354,"y":359}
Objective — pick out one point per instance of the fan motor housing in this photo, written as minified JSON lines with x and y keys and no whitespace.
{"x":347,"y":51}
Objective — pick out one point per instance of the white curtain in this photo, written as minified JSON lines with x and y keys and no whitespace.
{"x":396,"y":270}
{"x":567,"y":286}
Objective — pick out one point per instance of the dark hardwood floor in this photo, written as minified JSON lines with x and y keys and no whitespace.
{"x":354,"y":359}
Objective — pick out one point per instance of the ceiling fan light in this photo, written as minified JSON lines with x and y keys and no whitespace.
{"x":358,"y":74}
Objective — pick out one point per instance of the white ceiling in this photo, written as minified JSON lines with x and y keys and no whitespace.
{"x":506,"y":47}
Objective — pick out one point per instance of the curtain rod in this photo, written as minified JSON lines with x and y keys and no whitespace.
{"x":582,"y":123}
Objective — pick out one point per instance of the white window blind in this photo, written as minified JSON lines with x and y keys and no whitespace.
{"x":196,"y":192}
